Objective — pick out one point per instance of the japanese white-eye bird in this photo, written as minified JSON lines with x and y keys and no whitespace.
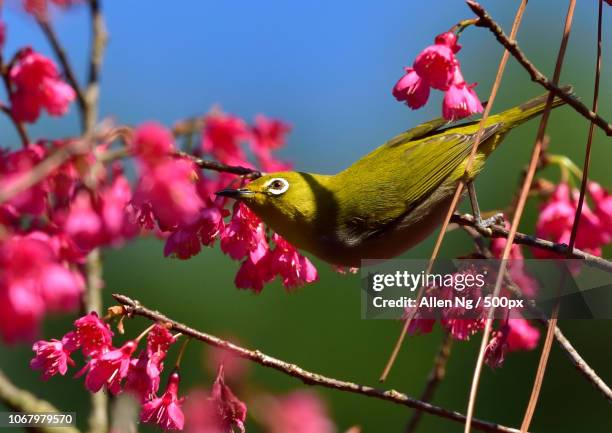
{"x":386,"y":202}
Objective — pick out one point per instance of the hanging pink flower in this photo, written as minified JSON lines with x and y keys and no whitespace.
{"x":294,"y":269}
{"x":411,"y":89}
{"x":245,"y":233}
{"x":436,"y":64}
{"x":52,"y":357}
{"x":602,"y":203}
{"x":108,"y":368}
{"x":460,"y":100}
{"x":165,"y":411}
{"x":231,"y":412}
{"x":37,"y":85}
{"x":495,"y":352}
{"x":143,"y":376}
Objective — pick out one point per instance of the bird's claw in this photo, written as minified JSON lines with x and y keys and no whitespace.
{"x":485,"y":225}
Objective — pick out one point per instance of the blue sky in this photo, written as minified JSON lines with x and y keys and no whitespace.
{"x":326,"y":67}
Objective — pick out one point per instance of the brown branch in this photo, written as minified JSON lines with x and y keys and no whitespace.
{"x":99,"y":39}
{"x":19,"y":126}
{"x":496,"y":231}
{"x":436,"y":375}
{"x":62,"y":57}
{"x":207,"y":164}
{"x":512,"y":46}
{"x":23,"y":401}
{"x":134,"y":308}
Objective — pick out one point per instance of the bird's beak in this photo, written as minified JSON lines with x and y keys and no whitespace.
{"x":235,"y":193}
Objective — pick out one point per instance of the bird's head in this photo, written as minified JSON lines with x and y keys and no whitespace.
{"x":287,"y":201}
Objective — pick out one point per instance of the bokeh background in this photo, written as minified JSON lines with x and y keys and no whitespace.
{"x":327,"y":68}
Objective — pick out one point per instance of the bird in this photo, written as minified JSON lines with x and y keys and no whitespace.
{"x":389,"y":200}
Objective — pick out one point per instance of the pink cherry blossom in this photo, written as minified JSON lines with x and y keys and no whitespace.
{"x":33,"y":281}
{"x":187,"y":241}
{"x":93,"y":335}
{"x":52,"y":357}
{"x":297,"y":412}
{"x":244,"y":234}
{"x":602,"y":204}
{"x":449,"y":39}
{"x":516,"y":266}
{"x":231,"y":412}
{"x":221,"y":137}
{"x":268,"y":134}
{"x":109,"y":368}
{"x":294,"y":269}
{"x":159,"y":340}
{"x":254,"y":272}
{"x":143,"y":376}
{"x":557,"y":217}
{"x":15,"y":165}
{"x":152,"y":143}
{"x":436,"y":64}
{"x":165,"y":411}
{"x":412,"y":89}
{"x":522,"y":335}
{"x":39,"y":8}
{"x":460,"y":100}
{"x":168,"y":191}
{"x":37,"y":85}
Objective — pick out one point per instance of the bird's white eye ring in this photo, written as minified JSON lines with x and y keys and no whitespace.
{"x":277,"y":185}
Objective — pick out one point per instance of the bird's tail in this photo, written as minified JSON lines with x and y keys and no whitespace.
{"x":521,"y":113}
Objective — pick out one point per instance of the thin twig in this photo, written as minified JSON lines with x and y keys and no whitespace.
{"x":133,"y":307}
{"x":62,"y":57}
{"x":207,"y":164}
{"x":511,"y":45}
{"x":19,"y":126}
{"x":436,"y":375}
{"x":497,"y":231}
{"x":23,"y":401}
{"x":520,"y":206}
{"x":552,"y":323}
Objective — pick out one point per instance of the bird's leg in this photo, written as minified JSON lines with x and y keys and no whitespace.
{"x":478,"y":221}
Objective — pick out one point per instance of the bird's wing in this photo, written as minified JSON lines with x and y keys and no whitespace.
{"x":395,"y":180}
{"x":417,"y":132}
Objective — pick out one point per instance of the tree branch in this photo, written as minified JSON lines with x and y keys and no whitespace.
{"x":62,"y":57}
{"x":512,"y":46}
{"x":496,"y":231}
{"x":23,"y":401}
{"x":134,"y":308}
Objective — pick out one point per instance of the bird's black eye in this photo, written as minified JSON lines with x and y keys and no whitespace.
{"x":277,"y":186}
